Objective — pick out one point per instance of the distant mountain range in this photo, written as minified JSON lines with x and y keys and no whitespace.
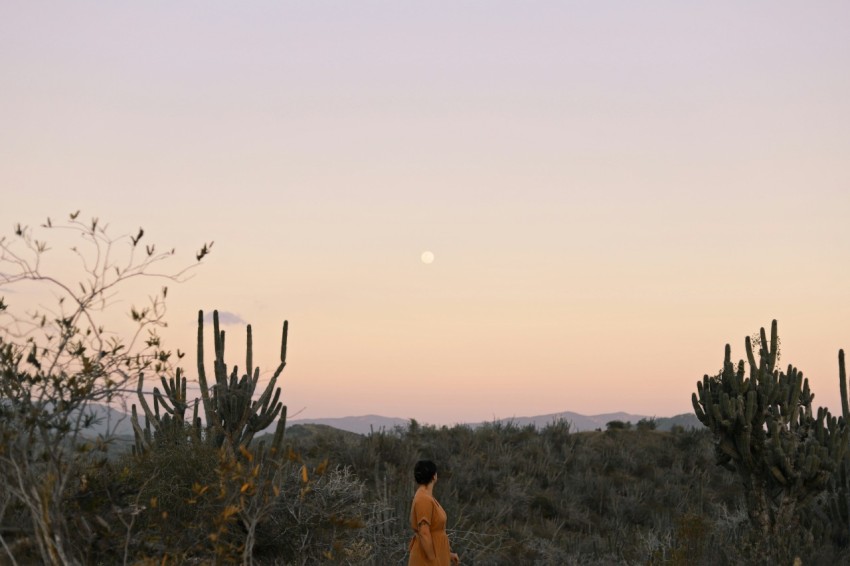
{"x":367,"y":423}
{"x":108,"y":421}
{"x":115,"y":422}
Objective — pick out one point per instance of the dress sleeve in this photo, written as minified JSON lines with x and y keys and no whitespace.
{"x":423,"y":509}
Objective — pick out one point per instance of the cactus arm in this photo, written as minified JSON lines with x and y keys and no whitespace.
{"x":159,"y":399}
{"x":774,"y":345}
{"x":751,"y":359}
{"x":144,"y":404}
{"x":698,"y":410}
{"x":764,"y":349}
{"x":842,"y":384}
{"x":156,"y":404}
{"x":249,"y":354}
{"x":277,"y":440}
{"x":233,"y":416}
{"x":218,"y":338}
{"x":284,"y":337}
{"x":139,"y":444}
{"x":209,"y":409}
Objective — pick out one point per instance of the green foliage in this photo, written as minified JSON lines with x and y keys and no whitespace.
{"x":618,"y":425}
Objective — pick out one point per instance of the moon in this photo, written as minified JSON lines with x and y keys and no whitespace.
{"x":427,"y":257}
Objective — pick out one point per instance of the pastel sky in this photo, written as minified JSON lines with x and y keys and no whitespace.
{"x":612,"y":190}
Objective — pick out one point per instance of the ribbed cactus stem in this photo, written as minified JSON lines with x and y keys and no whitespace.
{"x":249,"y":350}
{"x":774,"y":345}
{"x":842,"y":383}
{"x":209,"y":409}
{"x":145,"y":407}
{"x":285,"y":333}
{"x":138,"y":434}
{"x":754,"y":367}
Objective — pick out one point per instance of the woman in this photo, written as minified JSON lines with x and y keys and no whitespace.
{"x":430,"y":544}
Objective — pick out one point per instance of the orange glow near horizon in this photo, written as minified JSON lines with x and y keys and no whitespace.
{"x":611,"y":196}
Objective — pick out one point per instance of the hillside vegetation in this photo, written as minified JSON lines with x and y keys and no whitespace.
{"x":514,"y":495}
{"x":216,"y":481}
{"x":519,"y":495}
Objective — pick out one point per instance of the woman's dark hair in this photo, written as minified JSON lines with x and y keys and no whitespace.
{"x":424,"y":471}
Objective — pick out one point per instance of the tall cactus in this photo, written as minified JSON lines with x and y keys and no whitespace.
{"x":767,"y":432}
{"x":839,"y":500}
{"x":232,"y":416}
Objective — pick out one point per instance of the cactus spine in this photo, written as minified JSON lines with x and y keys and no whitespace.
{"x":767,"y":432}
{"x":232,"y":416}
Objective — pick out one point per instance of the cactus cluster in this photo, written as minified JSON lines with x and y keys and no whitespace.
{"x":171,"y":420}
{"x":838,"y":501}
{"x":232,"y":417}
{"x":766,"y":430}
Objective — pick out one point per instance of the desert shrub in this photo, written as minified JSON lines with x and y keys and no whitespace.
{"x":182,"y":503}
{"x":519,"y":495}
{"x":513,"y":495}
{"x":148,"y":506}
{"x":318,"y":520}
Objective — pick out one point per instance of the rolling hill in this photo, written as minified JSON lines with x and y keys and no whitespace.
{"x":115,"y":422}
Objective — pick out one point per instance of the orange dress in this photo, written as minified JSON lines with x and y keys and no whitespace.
{"x":426,"y":509}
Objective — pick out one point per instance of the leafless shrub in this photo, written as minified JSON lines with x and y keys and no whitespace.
{"x":59,"y":353}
